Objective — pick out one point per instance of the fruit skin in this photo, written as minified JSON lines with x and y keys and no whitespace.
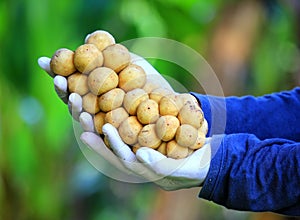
{"x":116,"y":116}
{"x":166,"y":127}
{"x":111,"y":99}
{"x":133,"y":98}
{"x":129,"y":130}
{"x":175,"y":151}
{"x":148,"y":138}
{"x":135,"y":147}
{"x":204,"y":127}
{"x":186,"y":98}
{"x":147,"y":111}
{"x":186,"y":135}
{"x":77,"y":83}
{"x":116,"y":57}
{"x":101,"y":39}
{"x":87,"y":57}
{"x":99,"y":121}
{"x":62,"y":63}
{"x":191,"y":114}
{"x":158,"y":93}
{"x":102,"y":80}
{"x":162,"y":148}
{"x":168,"y":105}
{"x":90,"y":103}
{"x":132,"y":77}
{"x":200,"y":141}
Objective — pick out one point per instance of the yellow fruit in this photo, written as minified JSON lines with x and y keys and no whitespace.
{"x":148,"y":138}
{"x":175,"y":151}
{"x":90,"y":103}
{"x":77,"y":83}
{"x":116,"y":57}
{"x":102,"y":80}
{"x":101,"y":39}
{"x":116,"y":116}
{"x":129,"y":130}
{"x":61,"y":62}
{"x":166,"y":127}
{"x":133,"y":98}
{"x":132,"y":77}
{"x":186,"y":135}
{"x":87,"y":57}
{"x":147,"y":111}
{"x":111,"y":99}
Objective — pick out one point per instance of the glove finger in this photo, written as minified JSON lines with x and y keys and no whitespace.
{"x":123,"y":151}
{"x":157,"y":162}
{"x":87,"y":36}
{"x":129,"y":158}
{"x":195,"y":166}
{"x":95,"y":143}
{"x":61,"y":87}
{"x":44,"y":63}
{"x":171,"y":174}
{"x":119,"y":147}
{"x":86,"y":121}
{"x":164,"y":166}
{"x":75,"y":105}
{"x":148,"y":155}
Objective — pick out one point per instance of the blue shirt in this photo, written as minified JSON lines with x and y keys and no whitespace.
{"x":256,"y":161}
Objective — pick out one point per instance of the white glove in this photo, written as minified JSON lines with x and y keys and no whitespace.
{"x":168,"y":173}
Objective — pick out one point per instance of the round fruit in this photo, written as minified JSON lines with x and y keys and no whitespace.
{"x":87,"y":57}
{"x":101,"y":39}
{"x":102,"y":79}
{"x":61,"y":62}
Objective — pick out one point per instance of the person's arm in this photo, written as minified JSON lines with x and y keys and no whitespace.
{"x":250,"y":174}
{"x":271,"y":116}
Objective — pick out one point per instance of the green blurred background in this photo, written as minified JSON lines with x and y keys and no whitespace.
{"x":253,"y":46}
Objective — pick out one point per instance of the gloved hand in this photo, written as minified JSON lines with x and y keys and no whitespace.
{"x":170,"y":174}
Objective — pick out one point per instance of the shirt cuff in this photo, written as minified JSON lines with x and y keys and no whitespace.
{"x":215,"y":113}
{"x":215,"y":167}
{"x":205,"y":106}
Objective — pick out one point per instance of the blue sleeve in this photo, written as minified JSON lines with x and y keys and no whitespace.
{"x":271,"y":116}
{"x":254,"y":175}
{"x":256,"y":165}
